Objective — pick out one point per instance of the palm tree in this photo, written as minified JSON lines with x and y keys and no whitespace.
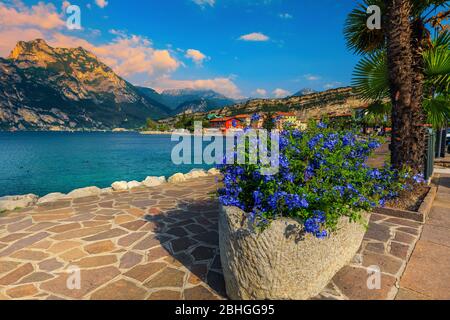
{"x":371,"y":82}
{"x":401,"y":40}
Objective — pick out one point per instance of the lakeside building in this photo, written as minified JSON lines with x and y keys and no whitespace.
{"x":230,"y":123}
{"x":289,"y":118}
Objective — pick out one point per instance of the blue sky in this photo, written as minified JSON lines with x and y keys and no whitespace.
{"x":202,"y":43}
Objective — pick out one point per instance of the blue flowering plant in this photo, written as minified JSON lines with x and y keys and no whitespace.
{"x":322,"y":177}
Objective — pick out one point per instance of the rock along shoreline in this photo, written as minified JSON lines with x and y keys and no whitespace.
{"x":10,"y":203}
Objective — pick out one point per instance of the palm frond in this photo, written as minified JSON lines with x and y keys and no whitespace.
{"x":438,"y":111}
{"x":377,"y":113}
{"x":437,"y":64}
{"x":371,"y":77}
{"x":359,"y":38}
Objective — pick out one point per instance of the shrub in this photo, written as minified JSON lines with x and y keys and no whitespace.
{"x":322,"y":177}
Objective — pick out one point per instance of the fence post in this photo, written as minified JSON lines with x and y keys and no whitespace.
{"x":430,"y":154}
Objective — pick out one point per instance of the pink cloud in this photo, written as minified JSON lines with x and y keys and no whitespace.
{"x":196,"y":56}
{"x":101,"y":3}
{"x":42,"y":16}
{"x":255,"y":36}
{"x":125,"y":55}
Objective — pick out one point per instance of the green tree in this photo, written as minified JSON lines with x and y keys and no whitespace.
{"x":150,"y":124}
{"x":269,"y":121}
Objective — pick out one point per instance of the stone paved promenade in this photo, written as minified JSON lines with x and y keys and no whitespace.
{"x":162,"y":243}
{"x":428,"y":273}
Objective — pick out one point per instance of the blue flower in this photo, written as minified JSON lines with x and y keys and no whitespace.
{"x":284,"y":162}
{"x":309,"y":173}
{"x":322,"y":234}
{"x":375,"y":174}
{"x":297,"y":134}
{"x":419,"y":178}
{"x":322,"y":125}
{"x":340,"y":189}
{"x":255,"y":117}
{"x":373,"y":144}
{"x":284,"y":142}
{"x":331,"y":142}
{"x":311,"y":226}
{"x":315,"y":140}
{"x":348,"y":140}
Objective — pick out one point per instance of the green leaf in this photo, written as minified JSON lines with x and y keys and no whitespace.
{"x":438,"y":111}
{"x":371,"y":77}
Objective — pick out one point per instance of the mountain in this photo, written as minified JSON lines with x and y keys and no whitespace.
{"x":152,"y":94}
{"x":47,"y":88}
{"x":304,"y":92}
{"x":190,"y":100}
{"x":202,"y":105}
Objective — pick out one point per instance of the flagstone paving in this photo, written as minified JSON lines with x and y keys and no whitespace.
{"x":428,"y":273}
{"x":159,"y":243}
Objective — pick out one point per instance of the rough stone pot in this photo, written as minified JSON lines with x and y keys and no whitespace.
{"x":277,"y":264}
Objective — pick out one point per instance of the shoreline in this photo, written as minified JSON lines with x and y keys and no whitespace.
{"x":11,"y":203}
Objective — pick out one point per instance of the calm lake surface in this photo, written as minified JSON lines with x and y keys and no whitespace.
{"x":45,"y":162}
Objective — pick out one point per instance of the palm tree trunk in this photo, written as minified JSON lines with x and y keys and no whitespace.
{"x":418,"y":118}
{"x":398,"y":34}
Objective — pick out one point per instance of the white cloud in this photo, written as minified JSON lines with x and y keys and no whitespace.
{"x":196,"y":56}
{"x":280,"y":93}
{"x":312,"y":77}
{"x":225,"y":86}
{"x":332,"y":85}
{"x":285,"y":16}
{"x":203,"y":3}
{"x":260,"y":92}
{"x":101,"y":3}
{"x":254,"y":36}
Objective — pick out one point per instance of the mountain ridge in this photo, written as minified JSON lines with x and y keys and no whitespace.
{"x":67,"y":89}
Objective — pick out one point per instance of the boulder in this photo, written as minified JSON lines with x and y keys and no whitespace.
{"x":177,"y":177}
{"x":84,"y":192}
{"x":153,"y":181}
{"x":120,"y":186}
{"x":196,"y":173}
{"x":51,"y":197}
{"x":107,"y":190}
{"x":134,"y":184}
{"x":214,"y":172}
{"x":281,"y":262}
{"x":10,"y":203}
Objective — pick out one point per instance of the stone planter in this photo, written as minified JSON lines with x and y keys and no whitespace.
{"x":420,"y":215}
{"x":278,"y":263}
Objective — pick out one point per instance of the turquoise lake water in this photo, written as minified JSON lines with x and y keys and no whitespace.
{"x":45,"y":162}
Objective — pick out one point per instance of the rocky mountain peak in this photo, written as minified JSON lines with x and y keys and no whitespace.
{"x":36,"y":52}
